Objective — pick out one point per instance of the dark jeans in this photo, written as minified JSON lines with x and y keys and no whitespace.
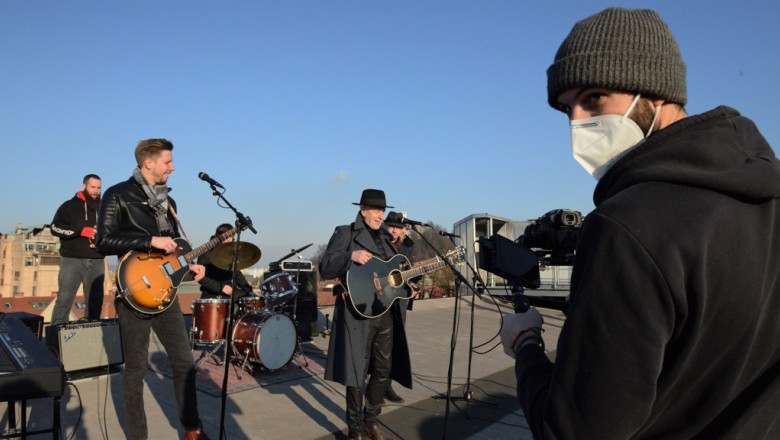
{"x":74,"y":272}
{"x":379,"y":363}
{"x":169,"y":328}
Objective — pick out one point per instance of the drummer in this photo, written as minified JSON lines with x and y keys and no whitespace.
{"x":217,"y":284}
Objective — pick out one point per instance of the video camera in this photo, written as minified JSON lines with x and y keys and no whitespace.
{"x":550,"y":240}
{"x":553,"y":237}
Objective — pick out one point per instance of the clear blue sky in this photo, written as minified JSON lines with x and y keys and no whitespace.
{"x":297,"y":106}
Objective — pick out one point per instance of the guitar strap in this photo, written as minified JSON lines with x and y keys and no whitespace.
{"x":176,"y":218}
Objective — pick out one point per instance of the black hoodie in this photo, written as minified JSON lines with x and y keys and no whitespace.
{"x":71,"y":217}
{"x":673,"y":325}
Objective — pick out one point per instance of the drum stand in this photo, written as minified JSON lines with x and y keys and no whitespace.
{"x":211,"y":353}
{"x":245,"y":365}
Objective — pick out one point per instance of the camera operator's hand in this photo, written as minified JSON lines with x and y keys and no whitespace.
{"x":520,"y":327}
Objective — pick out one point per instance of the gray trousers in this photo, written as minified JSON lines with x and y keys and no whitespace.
{"x":171,"y":332}
{"x":74,"y":272}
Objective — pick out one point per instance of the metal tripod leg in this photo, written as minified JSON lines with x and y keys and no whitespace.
{"x":245,"y":366}
{"x":212,"y":354}
{"x":299,"y":352}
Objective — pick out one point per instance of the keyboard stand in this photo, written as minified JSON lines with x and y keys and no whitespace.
{"x":12,"y":432}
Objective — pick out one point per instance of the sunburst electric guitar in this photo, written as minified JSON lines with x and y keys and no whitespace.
{"x":147,"y":281}
{"x":374,"y":286}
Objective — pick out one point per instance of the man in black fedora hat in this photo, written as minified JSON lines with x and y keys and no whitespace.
{"x":361,"y":346}
{"x":403,"y":245}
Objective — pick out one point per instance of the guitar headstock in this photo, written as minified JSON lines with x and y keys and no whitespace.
{"x":457,"y":255}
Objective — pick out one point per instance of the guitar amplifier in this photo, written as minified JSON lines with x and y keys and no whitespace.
{"x":294,"y":266}
{"x":86,"y":345}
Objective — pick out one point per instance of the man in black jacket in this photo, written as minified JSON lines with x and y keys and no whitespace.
{"x":671,"y":329}
{"x":138,"y":215}
{"x":361,"y":346}
{"x":80,"y":263}
{"x":404,"y":246}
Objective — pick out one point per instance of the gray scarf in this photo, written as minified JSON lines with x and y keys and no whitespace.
{"x":157,"y":197}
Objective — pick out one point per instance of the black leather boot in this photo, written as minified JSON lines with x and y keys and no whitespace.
{"x":391,"y":395}
{"x":374,"y":433}
{"x":355,"y":413}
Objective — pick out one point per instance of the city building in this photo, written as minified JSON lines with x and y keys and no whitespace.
{"x":29,"y":262}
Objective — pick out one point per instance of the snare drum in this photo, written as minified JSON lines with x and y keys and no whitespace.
{"x":208,"y":320}
{"x":264,"y":338}
{"x":250,"y":303}
{"x":278,"y":289}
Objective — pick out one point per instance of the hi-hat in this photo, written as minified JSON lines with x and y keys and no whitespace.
{"x":222,"y":255}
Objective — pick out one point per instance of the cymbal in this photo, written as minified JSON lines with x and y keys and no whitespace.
{"x":222,"y":255}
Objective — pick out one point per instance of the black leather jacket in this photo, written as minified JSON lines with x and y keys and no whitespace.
{"x":126,"y":222}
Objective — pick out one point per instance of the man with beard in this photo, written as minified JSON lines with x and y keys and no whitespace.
{"x":402,"y":245}
{"x":80,"y":263}
{"x":138,"y":214}
{"x":361,"y":346}
{"x":671,"y":329}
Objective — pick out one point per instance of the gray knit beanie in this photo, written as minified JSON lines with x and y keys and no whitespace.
{"x":620,"y":49}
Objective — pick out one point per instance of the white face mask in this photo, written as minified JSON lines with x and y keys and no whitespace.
{"x":598,"y":142}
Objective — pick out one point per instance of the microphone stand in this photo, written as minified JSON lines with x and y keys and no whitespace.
{"x":242,"y":222}
{"x":459,"y":279}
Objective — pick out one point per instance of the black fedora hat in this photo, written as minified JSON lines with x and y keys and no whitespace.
{"x":394,"y":219}
{"x":373,"y":197}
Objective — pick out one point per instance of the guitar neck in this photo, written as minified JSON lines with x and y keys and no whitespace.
{"x":423,"y":268}
{"x":211,"y":244}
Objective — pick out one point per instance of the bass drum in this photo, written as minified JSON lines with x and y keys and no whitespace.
{"x":264,"y":338}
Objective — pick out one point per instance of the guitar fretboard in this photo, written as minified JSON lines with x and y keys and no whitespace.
{"x":423,"y":268}
{"x":211,"y":244}
{"x":433,"y":264}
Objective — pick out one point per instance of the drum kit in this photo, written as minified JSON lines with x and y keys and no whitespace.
{"x":264,"y":333}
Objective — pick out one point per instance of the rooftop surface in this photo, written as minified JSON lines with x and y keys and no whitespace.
{"x":308,"y":407}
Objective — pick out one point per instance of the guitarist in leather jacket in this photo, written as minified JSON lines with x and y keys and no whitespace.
{"x":138,"y":215}
{"x":361,"y":346}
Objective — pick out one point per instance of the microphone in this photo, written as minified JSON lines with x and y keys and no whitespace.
{"x":406,"y":221}
{"x":205,"y":177}
{"x":448,"y":234}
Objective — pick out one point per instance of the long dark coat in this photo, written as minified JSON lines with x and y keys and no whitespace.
{"x":406,"y":248}
{"x":347,"y":347}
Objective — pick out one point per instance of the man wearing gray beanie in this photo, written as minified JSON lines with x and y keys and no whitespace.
{"x":671,"y":330}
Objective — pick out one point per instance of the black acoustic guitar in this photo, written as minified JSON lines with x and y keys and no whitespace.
{"x":147,"y":281}
{"x":374,"y":286}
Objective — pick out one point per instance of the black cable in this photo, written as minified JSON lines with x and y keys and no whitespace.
{"x":102,"y":421}
{"x":81,"y":410}
{"x":498,"y":333}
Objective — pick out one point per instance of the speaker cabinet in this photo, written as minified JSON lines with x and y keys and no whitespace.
{"x":86,"y":345}
{"x":306,"y":300}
